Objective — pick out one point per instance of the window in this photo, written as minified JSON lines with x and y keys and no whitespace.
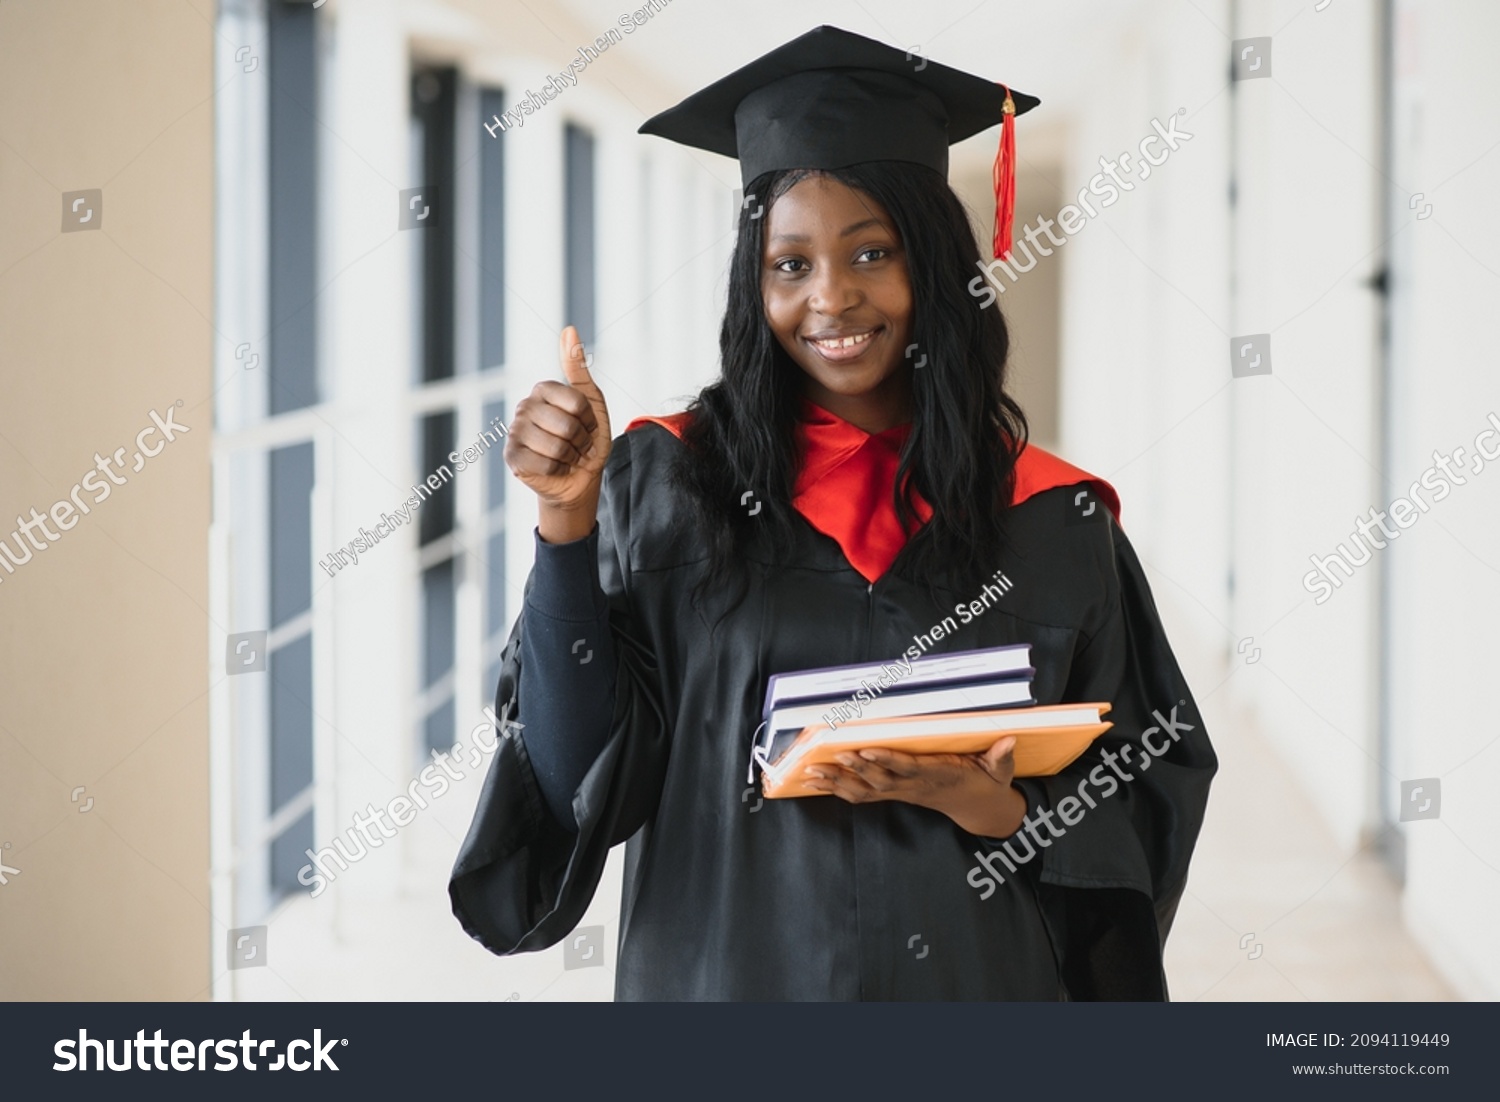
{"x":278,"y":440}
{"x":491,"y":235}
{"x":266,"y":468}
{"x":434,"y":98}
{"x":578,"y":231}
{"x":292,"y":384}
{"x":439,"y":561}
{"x":491,"y":355}
{"x":496,"y":618}
{"x":291,"y":66}
{"x":290,"y":663}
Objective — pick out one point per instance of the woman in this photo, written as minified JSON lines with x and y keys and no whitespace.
{"x":847,"y":487}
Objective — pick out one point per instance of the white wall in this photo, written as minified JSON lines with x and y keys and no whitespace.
{"x":1256,"y":474}
{"x":1445,"y":568}
{"x":1307,"y":443}
{"x":1146,"y":322}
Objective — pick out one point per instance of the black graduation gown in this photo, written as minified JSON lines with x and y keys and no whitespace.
{"x":729,"y":898}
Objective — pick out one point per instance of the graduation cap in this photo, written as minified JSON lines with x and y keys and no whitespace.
{"x":830,"y":99}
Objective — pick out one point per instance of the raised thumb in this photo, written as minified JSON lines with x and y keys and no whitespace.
{"x":575,"y":368}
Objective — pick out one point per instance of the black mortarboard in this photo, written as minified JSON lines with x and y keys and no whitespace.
{"x":830,"y":99}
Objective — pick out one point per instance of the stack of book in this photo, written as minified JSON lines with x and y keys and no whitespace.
{"x":958,"y":703}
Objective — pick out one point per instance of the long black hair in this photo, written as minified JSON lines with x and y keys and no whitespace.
{"x":967,"y":431}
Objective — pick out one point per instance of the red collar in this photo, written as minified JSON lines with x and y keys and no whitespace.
{"x":844,"y":480}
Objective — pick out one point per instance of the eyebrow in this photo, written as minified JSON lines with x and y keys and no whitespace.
{"x":799,"y":237}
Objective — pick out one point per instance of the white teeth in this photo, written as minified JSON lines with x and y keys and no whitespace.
{"x":847,"y":342}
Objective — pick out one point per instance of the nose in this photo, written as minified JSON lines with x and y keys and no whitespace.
{"x":832,"y":291}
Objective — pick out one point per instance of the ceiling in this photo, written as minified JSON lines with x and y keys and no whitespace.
{"x":1049,"y":49}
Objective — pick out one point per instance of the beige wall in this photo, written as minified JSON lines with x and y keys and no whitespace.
{"x":103,"y":635}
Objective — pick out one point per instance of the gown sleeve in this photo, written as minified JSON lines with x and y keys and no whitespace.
{"x":567,"y":670}
{"x":522,"y":880}
{"x":1110,"y":887}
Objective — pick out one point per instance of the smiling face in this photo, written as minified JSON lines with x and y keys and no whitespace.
{"x":837,"y":295}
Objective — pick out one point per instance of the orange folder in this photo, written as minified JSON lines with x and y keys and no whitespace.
{"x":1039,"y":752}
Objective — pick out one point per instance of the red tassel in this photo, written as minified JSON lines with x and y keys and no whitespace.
{"x":1005,"y":179}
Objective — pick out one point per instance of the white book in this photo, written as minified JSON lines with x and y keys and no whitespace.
{"x":951,"y":698}
{"x":991,"y":663}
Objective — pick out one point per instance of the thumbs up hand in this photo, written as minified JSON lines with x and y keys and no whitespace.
{"x":558,"y":444}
